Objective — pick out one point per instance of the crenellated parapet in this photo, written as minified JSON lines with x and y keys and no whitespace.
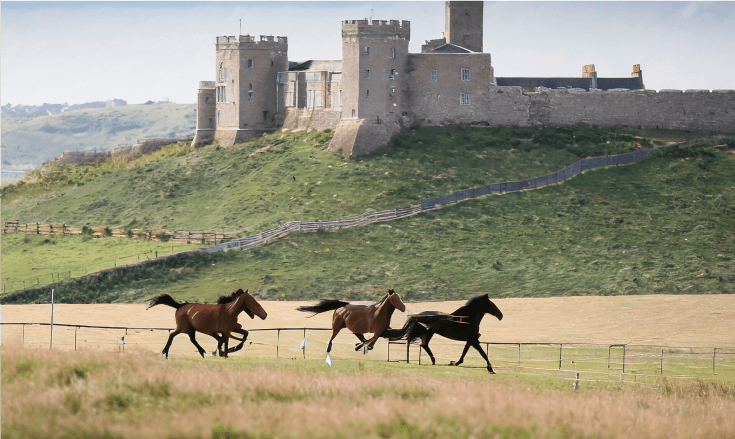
{"x":264,"y":42}
{"x":377,"y":28}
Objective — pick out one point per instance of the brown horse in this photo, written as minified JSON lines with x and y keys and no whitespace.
{"x":212,"y":320}
{"x":360,"y":319}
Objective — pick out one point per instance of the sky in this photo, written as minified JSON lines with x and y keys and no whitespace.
{"x":75,"y":52}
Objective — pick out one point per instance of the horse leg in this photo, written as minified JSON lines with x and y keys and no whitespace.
{"x":337,"y":324}
{"x":170,"y":340}
{"x":425,"y":339}
{"x":476,"y":345}
{"x":242,"y":340}
{"x":194,"y":340}
{"x":362,"y":341}
{"x":464,"y":352}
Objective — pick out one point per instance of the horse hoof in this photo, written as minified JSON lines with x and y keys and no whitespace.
{"x":490,"y":369}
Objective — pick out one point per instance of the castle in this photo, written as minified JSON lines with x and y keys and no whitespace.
{"x":378,"y":88}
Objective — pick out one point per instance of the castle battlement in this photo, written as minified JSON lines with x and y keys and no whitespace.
{"x":206,"y":84}
{"x":264,"y":42}
{"x":377,"y":28}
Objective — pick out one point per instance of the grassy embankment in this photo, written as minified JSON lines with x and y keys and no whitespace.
{"x":660,"y":226}
{"x":31,"y":141}
{"x":76,"y":395}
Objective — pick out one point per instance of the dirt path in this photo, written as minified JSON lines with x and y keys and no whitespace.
{"x":677,"y":321}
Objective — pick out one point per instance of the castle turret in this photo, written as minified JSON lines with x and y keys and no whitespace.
{"x":463,"y":24}
{"x":246,"y":86}
{"x":206,"y":108}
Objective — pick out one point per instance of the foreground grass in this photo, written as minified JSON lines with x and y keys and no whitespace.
{"x":664,"y":225}
{"x":290,"y":176}
{"x":76,"y":395}
{"x":41,"y":260}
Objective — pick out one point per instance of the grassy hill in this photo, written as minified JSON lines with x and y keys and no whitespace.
{"x":290,"y":176}
{"x":31,"y":141}
{"x":660,"y":226}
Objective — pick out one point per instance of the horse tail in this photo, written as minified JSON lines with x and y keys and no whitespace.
{"x":399,"y":334}
{"x":324,"y":305}
{"x":165,"y":299}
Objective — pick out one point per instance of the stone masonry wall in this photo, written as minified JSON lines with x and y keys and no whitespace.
{"x":144,"y":146}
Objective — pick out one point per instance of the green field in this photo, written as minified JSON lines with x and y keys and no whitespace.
{"x":41,"y":260}
{"x":94,"y":394}
{"x":660,"y":226}
{"x":31,"y":141}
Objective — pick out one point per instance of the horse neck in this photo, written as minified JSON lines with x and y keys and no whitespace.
{"x":236,"y":306}
{"x":475,"y":314}
{"x":385,"y":307}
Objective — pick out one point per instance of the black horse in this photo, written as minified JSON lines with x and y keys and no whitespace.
{"x":462,"y":325}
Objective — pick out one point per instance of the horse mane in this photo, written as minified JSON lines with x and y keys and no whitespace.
{"x":475,"y":300}
{"x":228,"y":298}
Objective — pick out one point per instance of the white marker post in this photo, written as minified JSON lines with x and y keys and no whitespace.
{"x":51,"y":343}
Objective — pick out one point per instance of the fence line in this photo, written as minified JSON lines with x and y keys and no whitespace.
{"x":158,"y":235}
{"x":639,"y":362}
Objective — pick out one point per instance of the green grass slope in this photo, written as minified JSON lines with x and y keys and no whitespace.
{"x":661,"y":226}
{"x":290,"y":176}
{"x":31,"y":141}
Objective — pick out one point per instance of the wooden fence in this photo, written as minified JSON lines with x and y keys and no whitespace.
{"x":158,"y":235}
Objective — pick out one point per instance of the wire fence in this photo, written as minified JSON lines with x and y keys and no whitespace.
{"x":580,"y":362}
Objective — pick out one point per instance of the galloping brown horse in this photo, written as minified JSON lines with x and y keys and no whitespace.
{"x":360,"y":319}
{"x":212,"y":320}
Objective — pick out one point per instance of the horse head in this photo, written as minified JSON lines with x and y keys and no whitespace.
{"x":396,"y":301}
{"x":252,"y":307}
{"x":491,"y":308}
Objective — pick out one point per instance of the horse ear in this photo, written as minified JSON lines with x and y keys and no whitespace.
{"x":391,"y":291}
{"x":486,"y":296}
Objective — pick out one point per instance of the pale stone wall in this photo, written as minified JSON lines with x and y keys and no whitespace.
{"x":437,"y":103}
{"x":144,"y":146}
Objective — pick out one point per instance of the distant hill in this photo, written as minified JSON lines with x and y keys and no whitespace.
{"x":32,"y":141}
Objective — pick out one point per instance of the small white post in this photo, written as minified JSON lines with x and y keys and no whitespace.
{"x":51,"y":342}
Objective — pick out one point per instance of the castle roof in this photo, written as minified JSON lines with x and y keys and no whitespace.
{"x":451,"y":48}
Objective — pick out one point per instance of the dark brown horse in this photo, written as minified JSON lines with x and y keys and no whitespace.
{"x":360,"y":319}
{"x":463,"y":325}
{"x":218,"y":321}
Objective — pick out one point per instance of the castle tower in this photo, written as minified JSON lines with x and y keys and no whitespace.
{"x":246,"y":86}
{"x":206,"y":108}
{"x":373,"y":68}
{"x":463,"y":24}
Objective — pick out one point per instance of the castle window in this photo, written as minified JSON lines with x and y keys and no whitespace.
{"x":367,"y":50}
{"x":367,"y":74}
{"x":206,"y":99}
{"x":392,"y":52}
{"x":464,"y":99}
{"x":250,"y":93}
{"x":221,"y":72}
{"x":250,"y":63}
{"x":433,"y":75}
{"x":250,"y":87}
{"x":271,"y":62}
{"x":217,"y":117}
{"x":465,"y":74}
{"x":339,"y":102}
{"x":367,"y":93}
{"x":392,"y":74}
{"x":221,"y":94}
{"x":392,"y":92}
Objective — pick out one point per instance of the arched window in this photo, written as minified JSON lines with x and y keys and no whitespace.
{"x":250,"y":63}
{"x":221,"y":72}
{"x":250,"y":87}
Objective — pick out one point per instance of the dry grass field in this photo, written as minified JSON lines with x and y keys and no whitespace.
{"x":102,"y":392}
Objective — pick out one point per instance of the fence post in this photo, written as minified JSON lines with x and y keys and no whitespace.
{"x":714,"y":354}
{"x":560,"y":346}
{"x":623,"y":358}
{"x":519,"y":354}
{"x":662,"y":361}
{"x":388,"y":351}
{"x":304,"y":350}
{"x":278,"y":342}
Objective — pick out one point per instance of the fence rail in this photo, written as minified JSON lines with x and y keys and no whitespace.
{"x":158,"y":235}
{"x":623,"y":363}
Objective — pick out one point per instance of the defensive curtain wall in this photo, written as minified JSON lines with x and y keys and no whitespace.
{"x":689,"y":110}
{"x":143,"y":146}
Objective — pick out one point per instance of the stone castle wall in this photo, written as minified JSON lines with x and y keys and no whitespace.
{"x":144,"y":146}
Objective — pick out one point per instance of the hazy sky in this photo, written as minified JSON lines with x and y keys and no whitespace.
{"x":77,"y":52}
